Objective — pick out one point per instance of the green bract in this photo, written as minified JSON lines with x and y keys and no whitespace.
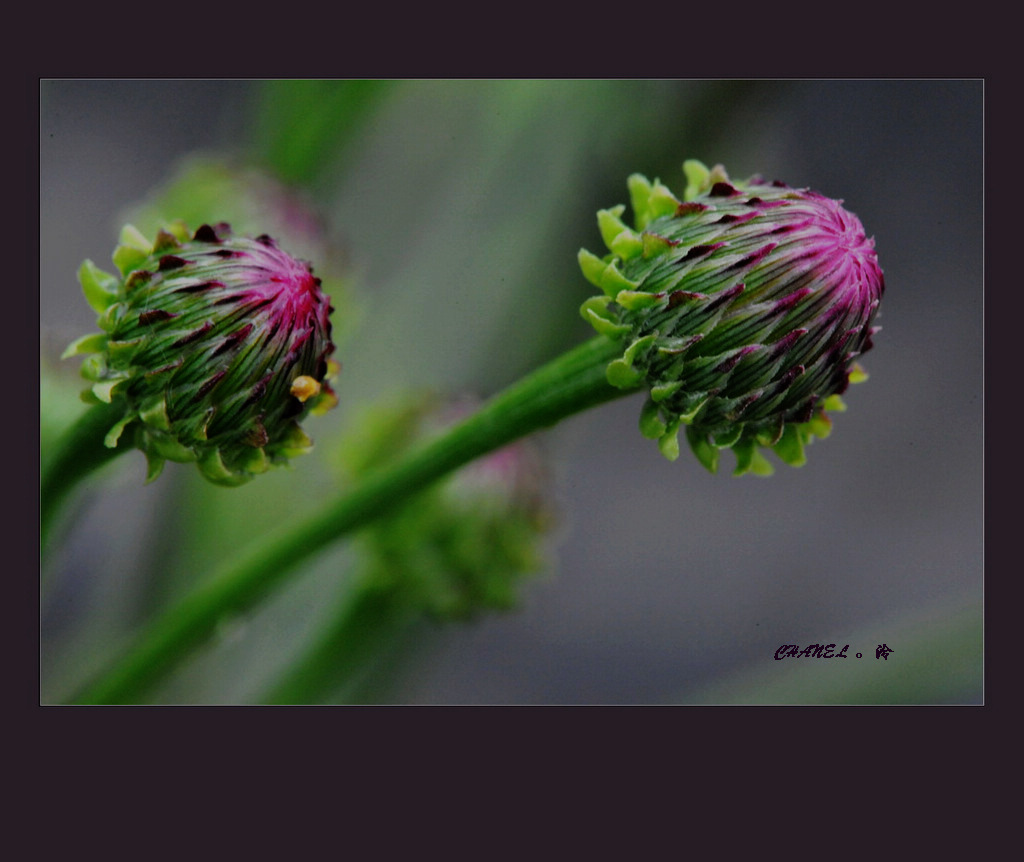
{"x":740,"y":307}
{"x":215,"y":345}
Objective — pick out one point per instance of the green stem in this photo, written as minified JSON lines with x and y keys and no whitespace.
{"x":79,"y":452}
{"x":572,"y":382}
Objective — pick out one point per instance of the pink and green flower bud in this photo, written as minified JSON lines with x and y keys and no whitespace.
{"x":216,"y":345}
{"x":741,"y":308}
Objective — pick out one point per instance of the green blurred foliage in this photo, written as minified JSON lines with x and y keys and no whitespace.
{"x":301,"y":127}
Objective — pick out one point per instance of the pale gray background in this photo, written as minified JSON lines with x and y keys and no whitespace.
{"x":669,"y":585}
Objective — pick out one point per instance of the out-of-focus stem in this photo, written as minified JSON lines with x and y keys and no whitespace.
{"x":367,"y":627}
{"x":78,"y":453}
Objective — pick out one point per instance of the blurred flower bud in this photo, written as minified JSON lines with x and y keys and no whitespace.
{"x":217,"y":345}
{"x":741,"y":309}
{"x":466,"y":544}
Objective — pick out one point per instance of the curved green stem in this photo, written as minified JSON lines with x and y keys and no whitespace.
{"x":572,"y":382}
{"x":79,"y":452}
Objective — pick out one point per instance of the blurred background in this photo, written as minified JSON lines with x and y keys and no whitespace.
{"x":445,"y":217}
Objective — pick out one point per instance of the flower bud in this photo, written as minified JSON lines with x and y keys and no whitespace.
{"x":217,"y":346}
{"x":463,"y":546}
{"x":741,"y":308}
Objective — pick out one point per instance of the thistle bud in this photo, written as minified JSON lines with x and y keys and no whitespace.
{"x":741,"y":309}
{"x":216,"y":346}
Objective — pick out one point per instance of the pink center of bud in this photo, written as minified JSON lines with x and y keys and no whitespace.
{"x":837,"y":240}
{"x":288,"y":291}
